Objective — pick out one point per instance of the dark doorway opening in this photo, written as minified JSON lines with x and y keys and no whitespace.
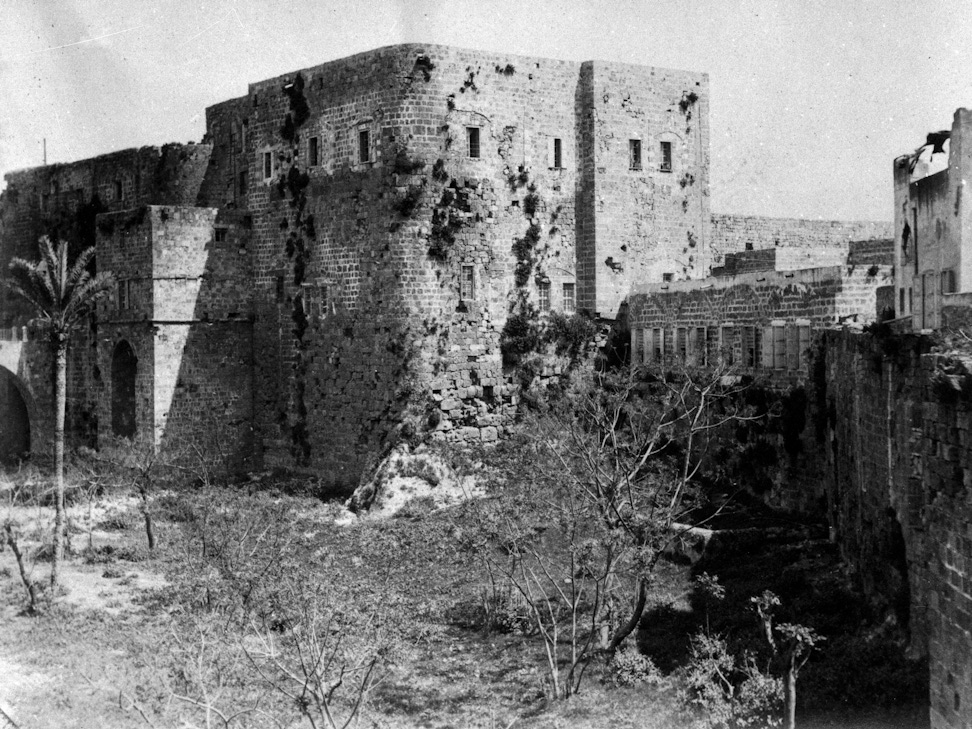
{"x":124,"y":366}
{"x":14,"y":421}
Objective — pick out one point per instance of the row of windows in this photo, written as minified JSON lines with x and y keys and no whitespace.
{"x":664,"y":155}
{"x":555,"y":153}
{"x":467,"y":291}
{"x":777,"y":347}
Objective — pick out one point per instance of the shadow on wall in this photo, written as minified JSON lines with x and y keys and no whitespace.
{"x":15,"y":431}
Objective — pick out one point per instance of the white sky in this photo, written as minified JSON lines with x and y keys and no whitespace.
{"x":810,"y":99}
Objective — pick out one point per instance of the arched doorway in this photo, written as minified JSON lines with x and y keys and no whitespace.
{"x":124,"y":367}
{"x":15,"y":422}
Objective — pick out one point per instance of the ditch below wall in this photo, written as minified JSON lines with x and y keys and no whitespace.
{"x":895,"y":421}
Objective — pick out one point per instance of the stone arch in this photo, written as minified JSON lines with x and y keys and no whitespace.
{"x":124,"y":370}
{"x":18,"y":432}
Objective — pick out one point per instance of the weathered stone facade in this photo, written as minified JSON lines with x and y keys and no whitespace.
{"x":933,"y":225}
{"x":334,"y":267}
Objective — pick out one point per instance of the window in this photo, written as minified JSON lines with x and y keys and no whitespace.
{"x":666,"y":157}
{"x":125,"y":294}
{"x":117,"y":190}
{"x":681,"y":342}
{"x":220,"y":235}
{"x":668,"y":277}
{"x":558,"y":159}
{"x":727,"y":342}
{"x":634,"y":154}
{"x":242,"y":182}
{"x":543,"y":289}
{"x":472,"y":137}
{"x":803,"y":344}
{"x":467,"y":283}
{"x":779,"y":347}
{"x":313,"y":152}
{"x":698,"y":346}
{"x":267,"y":165}
{"x":948,"y":281}
{"x":45,"y":202}
{"x":364,"y":146}
{"x":657,"y":344}
{"x":570,"y":299}
{"x":278,"y":283}
{"x":901,"y":309}
{"x":636,"y":346}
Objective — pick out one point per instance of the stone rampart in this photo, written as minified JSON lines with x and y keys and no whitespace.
{"x":895,"y":421}
{"x":799,"y":243}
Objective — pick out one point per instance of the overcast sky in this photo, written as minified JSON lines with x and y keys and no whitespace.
{"x":810,"y":99}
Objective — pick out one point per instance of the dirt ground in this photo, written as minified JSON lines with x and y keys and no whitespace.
{"x":96,"y":658}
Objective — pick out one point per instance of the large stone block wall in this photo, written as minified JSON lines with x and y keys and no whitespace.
{"x":799,"y":243}
{"x":895,"y":421}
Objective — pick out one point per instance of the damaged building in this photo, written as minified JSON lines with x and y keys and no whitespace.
{"x":332,"y":268}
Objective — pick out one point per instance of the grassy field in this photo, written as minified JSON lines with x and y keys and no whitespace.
{"x":192,"y":634}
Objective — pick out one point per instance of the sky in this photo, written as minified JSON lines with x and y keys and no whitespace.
{"x":811,"y":100}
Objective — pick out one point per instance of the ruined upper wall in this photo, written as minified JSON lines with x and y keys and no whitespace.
{"x":799,"y":243}
{"x":933,"y":225}
{"x":63,"y":200}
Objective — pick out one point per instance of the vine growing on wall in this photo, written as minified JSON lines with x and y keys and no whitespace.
{"x":301,"y":232}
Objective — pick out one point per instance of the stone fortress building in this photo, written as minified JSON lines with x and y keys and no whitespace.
{"x":334,"y":264}
{"x":333,"y":267}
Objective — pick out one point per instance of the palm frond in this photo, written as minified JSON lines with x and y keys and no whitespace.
{"x":79,"y":270}
{"x":84,"y":298}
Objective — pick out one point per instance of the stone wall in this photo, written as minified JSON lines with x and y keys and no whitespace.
{"x":363,"y":330}
{"x":895,"y":420}
{"x":800,"y":243}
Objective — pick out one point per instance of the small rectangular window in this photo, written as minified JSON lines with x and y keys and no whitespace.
{"x":278,"y":282}
{"x":472,"y":136}
{"x":117,"y":190}
{"x":364,"y":146}
{"x":313,"y":152}
{"x":634,"y":154}
{"x":557,"y":154}
{"x":125,"y":294}
{"x":666,"y":157}
{"x":242,"y":182}
{"x":220,"y":235}
{"x":267,"y":165}
{"x":570,"y":298}
{"x":636,"y":346}
{"x":901,"y":309}
{"x":668,"y":277}
{"x":467,"y":283}
{"x":45,"y":202}
{"x":681,"y":342}
{"x":543,"y":289}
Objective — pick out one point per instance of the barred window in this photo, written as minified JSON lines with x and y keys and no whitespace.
{"x":666,"y":157}
{"x":472,"y":137}
{"x":634,"y":154}
{"x":543,"y":289}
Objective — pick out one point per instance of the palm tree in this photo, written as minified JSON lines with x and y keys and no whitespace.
{"x":61,"y":295}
